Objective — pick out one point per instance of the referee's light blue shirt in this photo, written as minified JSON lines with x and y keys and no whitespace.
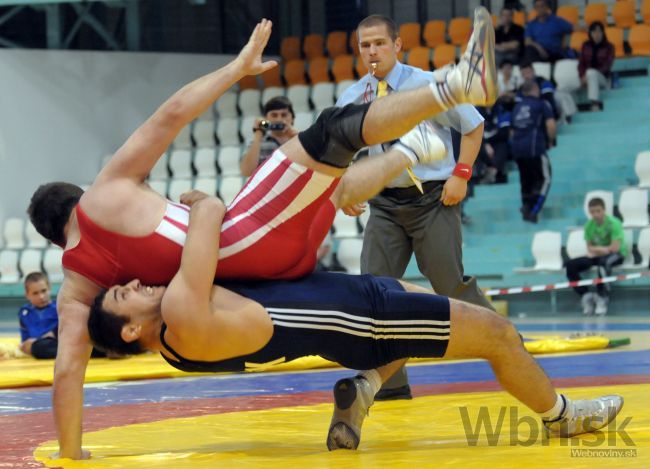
{"x":463,"y":118}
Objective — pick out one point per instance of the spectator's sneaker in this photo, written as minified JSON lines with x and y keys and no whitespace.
{"x":601,"y":305}
{"x":352,"y":399}
{"x":588,"y":305}
{"x":474,"y":79}
{"x":585,"y":416}
{"x":421,"y":144}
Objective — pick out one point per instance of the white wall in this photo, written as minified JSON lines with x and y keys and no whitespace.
{"x":61,"y":111}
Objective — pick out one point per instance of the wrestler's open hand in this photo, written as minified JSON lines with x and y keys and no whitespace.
{"x":192,"y":197}
{"x":250,"y":58}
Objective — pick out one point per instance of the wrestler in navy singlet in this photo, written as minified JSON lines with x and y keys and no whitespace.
{"x":359,"y":321}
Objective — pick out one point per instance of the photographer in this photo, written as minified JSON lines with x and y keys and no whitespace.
{"x":269,"y":133}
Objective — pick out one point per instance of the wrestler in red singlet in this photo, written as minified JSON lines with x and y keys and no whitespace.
{"x":270,"y":231}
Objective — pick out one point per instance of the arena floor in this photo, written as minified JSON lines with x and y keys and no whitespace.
{"x":281,"y":419}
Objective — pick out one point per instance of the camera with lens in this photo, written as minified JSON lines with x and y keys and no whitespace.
{"x":266,"y":125}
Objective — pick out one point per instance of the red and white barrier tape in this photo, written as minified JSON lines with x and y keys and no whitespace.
{"x":562,"y":285}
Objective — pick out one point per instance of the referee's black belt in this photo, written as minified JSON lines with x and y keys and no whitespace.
{"x":410,"y":192}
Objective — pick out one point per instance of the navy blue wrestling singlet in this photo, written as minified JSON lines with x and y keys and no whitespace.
{"x":359,"y":321}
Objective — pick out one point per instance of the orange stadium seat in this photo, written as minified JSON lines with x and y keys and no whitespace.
{"x":532,"y":14}
{"x":624,"y":13}
{"x":460,"y":29}
{"x":434,"y":33}
{"x":360,"y":68}
{"x":294,"y":72}
{"x":578,"y":38}
{"x":312,"y":46}
{"x":444,"y":54}
{"x":318,"y":70}
{"x":343,"y":67}
{"x":354,"y":43}
{"x":639,"y":39}
{"x":249,"y":83}
{"x":410,"y":34}
{"x":495,"y":20}
{"x":615,"y":36}
{"x":645,"y":11}
{"x":519,"y":18}
{"x":420,"y":57}
{"x":337,"y":43}
{"x":290,"y":48}
{"x":571,"y":13}
{"x":272,"y":77}
{"x":595,"y":12}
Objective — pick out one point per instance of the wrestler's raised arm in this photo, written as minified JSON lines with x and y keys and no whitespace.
{"x":135,"y":159}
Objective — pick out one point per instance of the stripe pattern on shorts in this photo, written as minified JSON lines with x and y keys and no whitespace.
{"x":174,"y":224}
{"x":361,"y":326}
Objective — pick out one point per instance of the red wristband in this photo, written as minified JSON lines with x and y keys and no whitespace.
{"x":463,"y":171}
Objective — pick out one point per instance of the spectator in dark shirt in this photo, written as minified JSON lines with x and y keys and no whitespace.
{"x":595,"y":65}
{"x":533,"y":130}
{"x":546,"y":35}
{"x":509,"y":38}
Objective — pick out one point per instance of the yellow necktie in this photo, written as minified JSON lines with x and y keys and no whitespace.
{"x":382,"y":90}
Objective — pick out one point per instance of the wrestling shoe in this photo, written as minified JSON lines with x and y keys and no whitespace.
{"x":352,"y":399}
{"x":421,"y":144}
{"x":585,"y":416}
{"x":474,"y":79}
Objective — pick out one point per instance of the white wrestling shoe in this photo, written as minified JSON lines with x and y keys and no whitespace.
{"x":421,"y":144}
{"x":352,"y":399}
{"x":585,"y":416}
{"x":474,"y":79}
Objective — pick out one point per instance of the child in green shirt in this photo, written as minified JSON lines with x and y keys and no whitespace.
{"x":606,"y":249}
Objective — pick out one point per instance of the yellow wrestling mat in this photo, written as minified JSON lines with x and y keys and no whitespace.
{"x":26,"y":371}
{"x":425,"y":432}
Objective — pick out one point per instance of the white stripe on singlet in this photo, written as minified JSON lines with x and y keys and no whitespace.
{"x":180,"y":214}
{"x":313,"y":319}
{"x":317,"y":184}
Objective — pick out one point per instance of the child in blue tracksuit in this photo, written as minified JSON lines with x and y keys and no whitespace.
{"x":533,"y":128}
{"x":38,"y":319}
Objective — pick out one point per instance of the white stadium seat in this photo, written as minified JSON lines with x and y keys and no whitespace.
{"x":633,"y":206}
{"x":608,"y":198}
{"x":177,"y":187}
{"x":643,"y":244}
{"x":576,"y":246}
{"x":9,"y":266}
{"x":345,"y":226}
{"x":227,"y":105}
{"x":303,"y":120}
{"x":229,"y":161}
{"x":230,"y":187}
{"x":642,"y":168}
{"x":299,"y":97}
{"x":542,"y":69}
{"x":13,"y":233}
{"x":203,"y":133}
{"x":342,"y":86}
{"x":322,"y":95}
{"x":349,"y":254}
{"x":160,"y":170}
{"x":205,"y":162}
{"x":159,"y":186}
{"x":628,"y":262}
{"x":272,"y":92}
{"x":566,"y":74}
{"x":52,"y":264}
{"x":249,"y":103}
{"x":184,"y":138}
{"x":207,"y":185}
{"x":30,"y":261}
{"x":228,"y":131}
{"x":180,"y":164}
{"x":246,"y":129}
{"x":34,"y":238}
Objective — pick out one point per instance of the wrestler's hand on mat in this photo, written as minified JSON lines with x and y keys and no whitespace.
{"x":454,"y":191}
{"x":354,"y":210}
{"x":249,"y":59}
